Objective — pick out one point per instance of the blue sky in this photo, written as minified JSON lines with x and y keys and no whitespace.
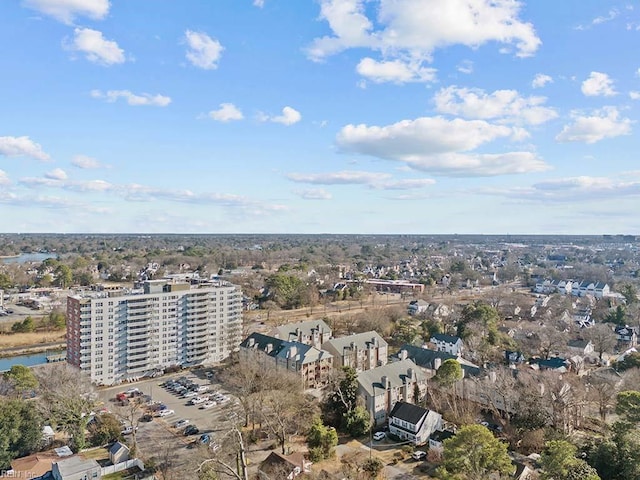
{"x":320,"y":116}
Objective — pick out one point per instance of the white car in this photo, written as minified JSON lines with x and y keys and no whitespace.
{"x":165,"y":413}
{"x":181,"y":423}
{"x":379,"y":436}
{"x":190,"y":394}
{"x":208,"y":404}
{"x":197,"y":400}
{"x":419,"y":455}
{"x":203,"y":388}
{"x":127,"y":430}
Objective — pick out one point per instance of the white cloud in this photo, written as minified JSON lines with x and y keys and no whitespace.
{"x":634,"y":95}
{"x":96,"y":48}
{"x":204,"y":51}
{"x":67,"y":10}
{"x":85,"y":162}
{"x":314,"y":194}
{"x":22,"y":147}
{"x":506,"y":105}
{"x":258,"y":3}
{"x":132,"y":98}
{"x":598,"y":84}
{"x":540,"y":80}
{"x":56,"y":174}
{"x":226,"y":113}
{"x":572,"y":189}
{"x":612,"y":14}
{"x":415,"y":28}
{"x":347,"y":177}
{"x":601,"y":124}
{"x":396,"y":71}
{"x":289,"y":117}
{"x":433,"y":144}
{"x":374,"y":180}
{"x":466,"y":67}
{"x":4,"y":179}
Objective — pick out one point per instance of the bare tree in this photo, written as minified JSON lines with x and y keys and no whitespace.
{"x":67,"y":397}
{"x":602,"y":337}
{"x":222,"y":461}
{"x":550,"y":339}
{"x":603,"y":389}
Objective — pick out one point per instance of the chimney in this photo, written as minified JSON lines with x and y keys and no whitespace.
{"x":374,"y":341}
{"x":269,"y":348}
{"x":403,"y":355}
{"x":436,"y":363}
{"x":252,"y":342}
{"x":410,"y":374}
{"x":385,"y":382}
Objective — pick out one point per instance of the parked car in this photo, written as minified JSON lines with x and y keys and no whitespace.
{"x":379,"y":436}
{"x":197,"y":400}
{"x":191,"y":430}
{"x":181,"y":423}
{"x":204,"y":439}
{"x":208,"y":404}
{"x":128,"y":430}
{"x":202,"y":388}
{"x":165,"y":413}
{"x":190,"y":394}
{"x":419,"y":455}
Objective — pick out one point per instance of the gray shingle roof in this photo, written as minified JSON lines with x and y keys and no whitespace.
{"x":395,"y":372}
{"x":306,"y":327}
{"x":361,"y":340}
{"x":408,"y":412}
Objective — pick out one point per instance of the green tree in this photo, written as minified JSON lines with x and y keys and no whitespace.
{"x":474,"y":454}
{"x":449,"y":373}
{"x":63,"y":276}
{"x":105,"y":428}
{"x":617,"y":316}
{"x":20,"y":430}
{"x":321,"y":440}
{"x":581,"y":470}
{"x":557,"y":458}
{"x":357,"y":421}
{"x":25,"y":326}
{"x":287,"y":290}
{"x":630,"y":293}
{"x":22,"y":379}
{"x":57,"y":320}
{"x":5,"y":281}
{"x":628,"y":406}
{"x":341,"y":397}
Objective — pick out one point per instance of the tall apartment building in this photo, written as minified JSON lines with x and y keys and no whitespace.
{"x":121,"y":335}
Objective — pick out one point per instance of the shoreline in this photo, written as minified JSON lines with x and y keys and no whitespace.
{"x":31,"y":349}
{"x":9,"y":256}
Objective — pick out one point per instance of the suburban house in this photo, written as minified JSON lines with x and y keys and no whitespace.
{"x":32,"y":466}
{"x":417,"y":307}
{"x":118,"y":452}
{"x":627,"y":336}
{"x":310,"y":332}
{"x":280,"y":467}
{"x":438,"y":437}
{"x":312,"y":365}
{"x":513,"y":358}
{"x":594,"y":289}
{"x":380,"y":388}
{"x":411,"y":422}
{"x":447,"y":343}
{"x":362,"y":351}
{"x":76,"y":468}
{"x":584,"y":348}
{"x":554,"y":363}
{"x":430,"y":360}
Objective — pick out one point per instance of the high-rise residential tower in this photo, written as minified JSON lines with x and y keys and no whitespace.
{"x":115,"y":336}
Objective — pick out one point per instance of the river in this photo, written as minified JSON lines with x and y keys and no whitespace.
{"x":26,"y":360}
{"x":27,"y":257}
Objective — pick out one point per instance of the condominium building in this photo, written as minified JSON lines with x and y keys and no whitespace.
{"x":122,"y":335}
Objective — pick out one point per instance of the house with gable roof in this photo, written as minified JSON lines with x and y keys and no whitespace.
{"x":309,"y":332}
{"x":448,"y":343}
{"x":380,"y":388}
{"x":362,"y":351}
{"x":413,"y":423}
{"x":311,"y":364}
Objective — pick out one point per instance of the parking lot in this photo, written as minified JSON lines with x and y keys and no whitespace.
{"x":159,"y":437}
